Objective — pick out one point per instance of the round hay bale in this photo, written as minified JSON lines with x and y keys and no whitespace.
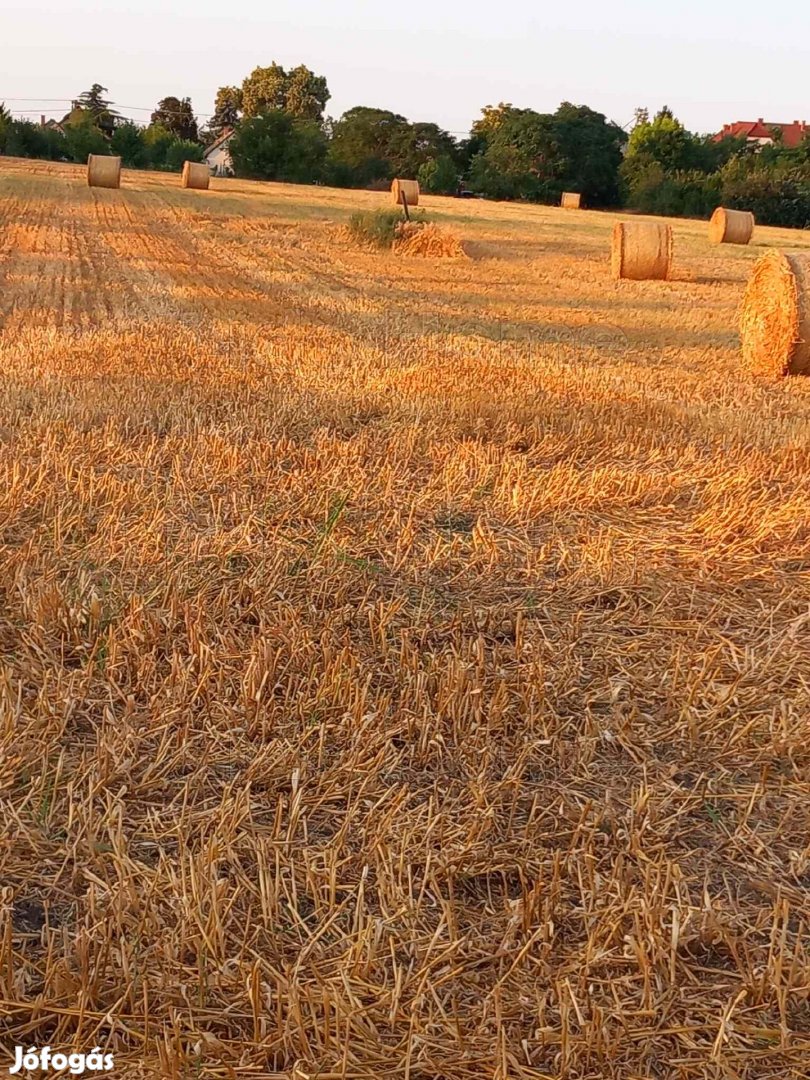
{"x":775,"y":315}
{"x":408,"y":188}
{"x":731,"y":226}
{"x":103,"y":171}
{"x":571,"y":200}
{"x":195,"y":175}
{"x":641,"y":250}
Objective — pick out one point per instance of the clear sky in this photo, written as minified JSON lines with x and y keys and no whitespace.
{"x":711,"y":61}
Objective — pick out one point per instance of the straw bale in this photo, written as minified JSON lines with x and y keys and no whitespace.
{"x":103,"y":171}
{"x":731,"y":226}
{"x":195,"y":175}
{"x":641,"y":250}
{"x":775,"y":315}
{"x":408,"y":188}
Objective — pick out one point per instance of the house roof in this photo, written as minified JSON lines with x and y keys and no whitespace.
{"x":223,"y":138}
{"x":792,"y":134}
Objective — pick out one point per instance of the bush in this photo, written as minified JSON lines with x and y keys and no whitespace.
{"x":24,"y":139}
{"x":182,"y":150}
{"x":82,"y":139}
{"x":157,"y":140}
{"x":774,"y":197}
{"x":128,"y":143}
{"x":679,"y":194}
{"x":378,"y":227}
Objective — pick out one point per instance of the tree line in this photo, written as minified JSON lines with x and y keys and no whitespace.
{"x":281,"y":132}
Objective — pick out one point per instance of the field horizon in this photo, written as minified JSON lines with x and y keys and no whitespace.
{"x":404,"y":661}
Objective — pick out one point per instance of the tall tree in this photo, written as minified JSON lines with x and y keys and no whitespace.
{"x":665,"y":141}
{"x":277,"y":146}
{"x":227,"y":109}
{"x":299,"y":92}
{"x":365,"y":145}
{"x":591,"y":147}
{"x":521,"y":158}
{"x":93,"y":105}
{"x":492,"y":117}
{"x":177,"y":116}
{"x":93,"y":100}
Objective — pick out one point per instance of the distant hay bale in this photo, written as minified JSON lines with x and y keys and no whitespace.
{"x":195,"y":175}
{"x":641,"y":251}
{"x":427,"y":240}
{"x":731,"y":226}
{"x":571,"y":200}
{"x":775,"y":315}
{"x":103,"y":171}
{"x":408,"y":188}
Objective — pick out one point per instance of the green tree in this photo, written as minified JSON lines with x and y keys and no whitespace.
{"x":157,"y":140}
{"x":521,"y":158}
{"x":129,"y":144}
{"x":439,"y":176}
{"x":181,"y":150}
{"x":300,"y":92}
{"x":666,"y":141}
{"x":367,"y":146}
{"x":98,"y":107}
{"x":277,"y":146}
{"x":591,"y":148}
{"x":24,"y":139}
{"x":492,"y":118}
{"x":5,"y":123}
{"x":83,"y":137}
{"x":227,"y":110}
{"x":177,"y":116}
{"x":418,"y":144}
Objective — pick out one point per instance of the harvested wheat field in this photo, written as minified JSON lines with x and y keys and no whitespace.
{"x":404,"y":661}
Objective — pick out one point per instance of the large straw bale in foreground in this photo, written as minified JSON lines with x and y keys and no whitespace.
{"x":571,"y":200}
{"x":775,"y":317}
{"x":731,"y":226}
{"x":641,"y":250}
{"x":103,"y":171}
{"x":408,"y":188}
{"x":195,"y":175}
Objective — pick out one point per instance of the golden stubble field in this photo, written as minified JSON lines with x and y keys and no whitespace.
{"x":404,"y":662}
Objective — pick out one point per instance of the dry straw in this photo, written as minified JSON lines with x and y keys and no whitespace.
{"x":641,"y":250}
{"x":571,"y":200}
{"x":429,"y":241}
{"x":731,"y":226}
{"x":775,"y":317}
{"x":195,"y":175}
{"x":359,"y":713}
{"x":408,"y":188}
{"x":103,"y":171}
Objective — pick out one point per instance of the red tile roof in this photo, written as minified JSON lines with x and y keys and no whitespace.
{"x":792,"y":134}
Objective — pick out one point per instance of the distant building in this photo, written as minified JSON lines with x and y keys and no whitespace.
{"x":762,"y":134}
{"x":218,"y":157}
{"x":52,"y":125}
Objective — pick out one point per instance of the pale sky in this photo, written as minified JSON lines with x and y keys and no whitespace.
{"x":712,"y":62}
